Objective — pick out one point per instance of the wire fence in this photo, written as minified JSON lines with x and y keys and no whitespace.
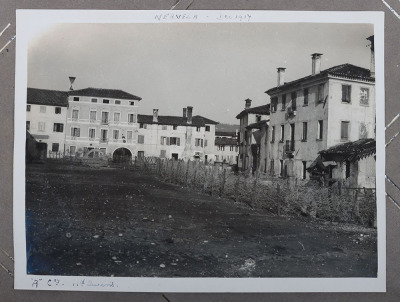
{"x":287,"y":197}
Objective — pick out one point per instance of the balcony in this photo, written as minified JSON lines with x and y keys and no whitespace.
{"x":291,"y":111}
{"x":289,"y":148}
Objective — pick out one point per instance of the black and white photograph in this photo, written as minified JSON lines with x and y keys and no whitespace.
{"x":200,"y":151}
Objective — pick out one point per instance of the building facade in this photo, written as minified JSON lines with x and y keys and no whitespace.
{"x":316,"y":112}
{"x":253,"y":127}
{"x":226,"y":147}
{"x":46,"y":115}
{"x":102,"y":118}
{"x":185,"y":137}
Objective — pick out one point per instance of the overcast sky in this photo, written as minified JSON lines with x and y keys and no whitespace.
{"x":212,"y":67}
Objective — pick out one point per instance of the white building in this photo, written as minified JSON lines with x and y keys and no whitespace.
{"x":226,"y":147}
{"x":46,"y":114}
{"x":104,"y":119}
{"x":252,"y":136}
{"x":185,"y":137}
{"x":316,"y":112}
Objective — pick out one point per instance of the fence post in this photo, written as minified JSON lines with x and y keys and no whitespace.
{"x":195,"y":173}
{"x":212,"y":180}
{"x":187,"y":171}
{"x":221,"y":191}
{"x":356,"y":208}
{"x":278,"y":191}
{"x":205,"y":180}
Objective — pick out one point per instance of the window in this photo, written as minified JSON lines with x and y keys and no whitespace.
{"x":129,"y":135}
{"x":205,"y":143}
{"x":272,"y":134}
{"x":28,"y":125}
{"x":164,"y":127}
{"x":284,"y":102}
{"x":274,"y":104}
{"x":163,"y":140}
{"x":230,"y":148}
{"x":364,"y":96}
{"x":143,"y":126}
{"x":94,"y":100}
{"x":131,"y":118}
{"x":117,"y":102}
{"x":282,"y":133}
{"x":320,"y":129}
{"x":140,"y":139}
{"x":198,"y":142}
{"x":132,"y":103}
{"x":104,"y":150}
{"x":293,"y":97}
{"x":72,"y":150}
{"x":175,"y":127}
{"x":281,"y":167}
{"x":92,"y":133}
{"x":117,"y":116}
{"x":28,"y":108}
{"x":221,"y":148}
{"x":42,"y":126}
{"x":115,"y":134}
{"x":58,"y":127}
{"x":93,"y":116}
{"x":76,"y":99}
{"x":42,"y":109}
{"x":75,"y":114}
{"x":236,"y":148}
{"x":347,"y":169}
{"x":104,"y":118}
{"x":103,"y":135}
{"x":57,"y":110}
{"x":304,"y":170}
{"x":304,"y":134}
{"x":198,"y":129}
{"x":320,"y":97}
{"x":305,"y":92}
{"x":54,"y":147}
{"x":207,"y":128}
{"x":344,"y":130}
{"x":258,"y":118}
{"x":163,"y":153}
{"x":105,"y":101}
{"x":174,"y":141}
{"x":75,"y":132}
{"x":363,"y":131}
{"x":346,"y":93}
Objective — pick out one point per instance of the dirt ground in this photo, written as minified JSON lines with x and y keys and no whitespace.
{"x":114,"y":222}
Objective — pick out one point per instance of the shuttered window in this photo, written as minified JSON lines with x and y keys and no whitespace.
{"x":346,"y":93}
{"x":344,"y":130}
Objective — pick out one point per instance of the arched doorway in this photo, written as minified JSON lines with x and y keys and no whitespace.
{"x":122,"y":155}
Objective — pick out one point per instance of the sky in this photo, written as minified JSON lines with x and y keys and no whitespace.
{"x":212,"y":67}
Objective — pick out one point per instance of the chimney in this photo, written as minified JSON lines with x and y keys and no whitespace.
{"x":184,"y":112}
{"x":71,"y":80}
{"x":248,"y":104}
{"x":189,"y":114}
{"x":372,"y":66}
{"x":281,"y":76}
{"x":155,"y":115}
{"x":316,"y":63}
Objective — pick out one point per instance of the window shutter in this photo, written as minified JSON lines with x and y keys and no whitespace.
{"x":168,"y":142}
{"x":201,"y":142}
{"x":54,"y":127}
{"x":178,"y":141}
{"x":61,"y":127}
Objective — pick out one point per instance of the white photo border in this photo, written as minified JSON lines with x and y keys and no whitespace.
{"x":31,"y":22}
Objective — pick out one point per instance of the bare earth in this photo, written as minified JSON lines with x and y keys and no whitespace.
{"x":104,"y":222}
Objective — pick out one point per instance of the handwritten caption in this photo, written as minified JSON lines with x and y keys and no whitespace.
{"x":40,"y":283}
{"x":234,"y":17}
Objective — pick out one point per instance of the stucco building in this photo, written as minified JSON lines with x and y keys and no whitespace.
{"x":226,"y":147}
{"x":313,"y":113}
{"x":104,"y":119}
{"x":253,"y":127}
{"x":179,"y":137}
{"x":46,"y":114}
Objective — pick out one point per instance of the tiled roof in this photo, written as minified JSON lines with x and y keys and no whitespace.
{"x":105,"y":93}
{"x":264,"y":110}
{"x":206,"y":120}
{"x":47,"y":97}
{"x":197,"y":121}
{"x":347,"y":71}
{"x":351,"y":151}
{"x":226,"y":141}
